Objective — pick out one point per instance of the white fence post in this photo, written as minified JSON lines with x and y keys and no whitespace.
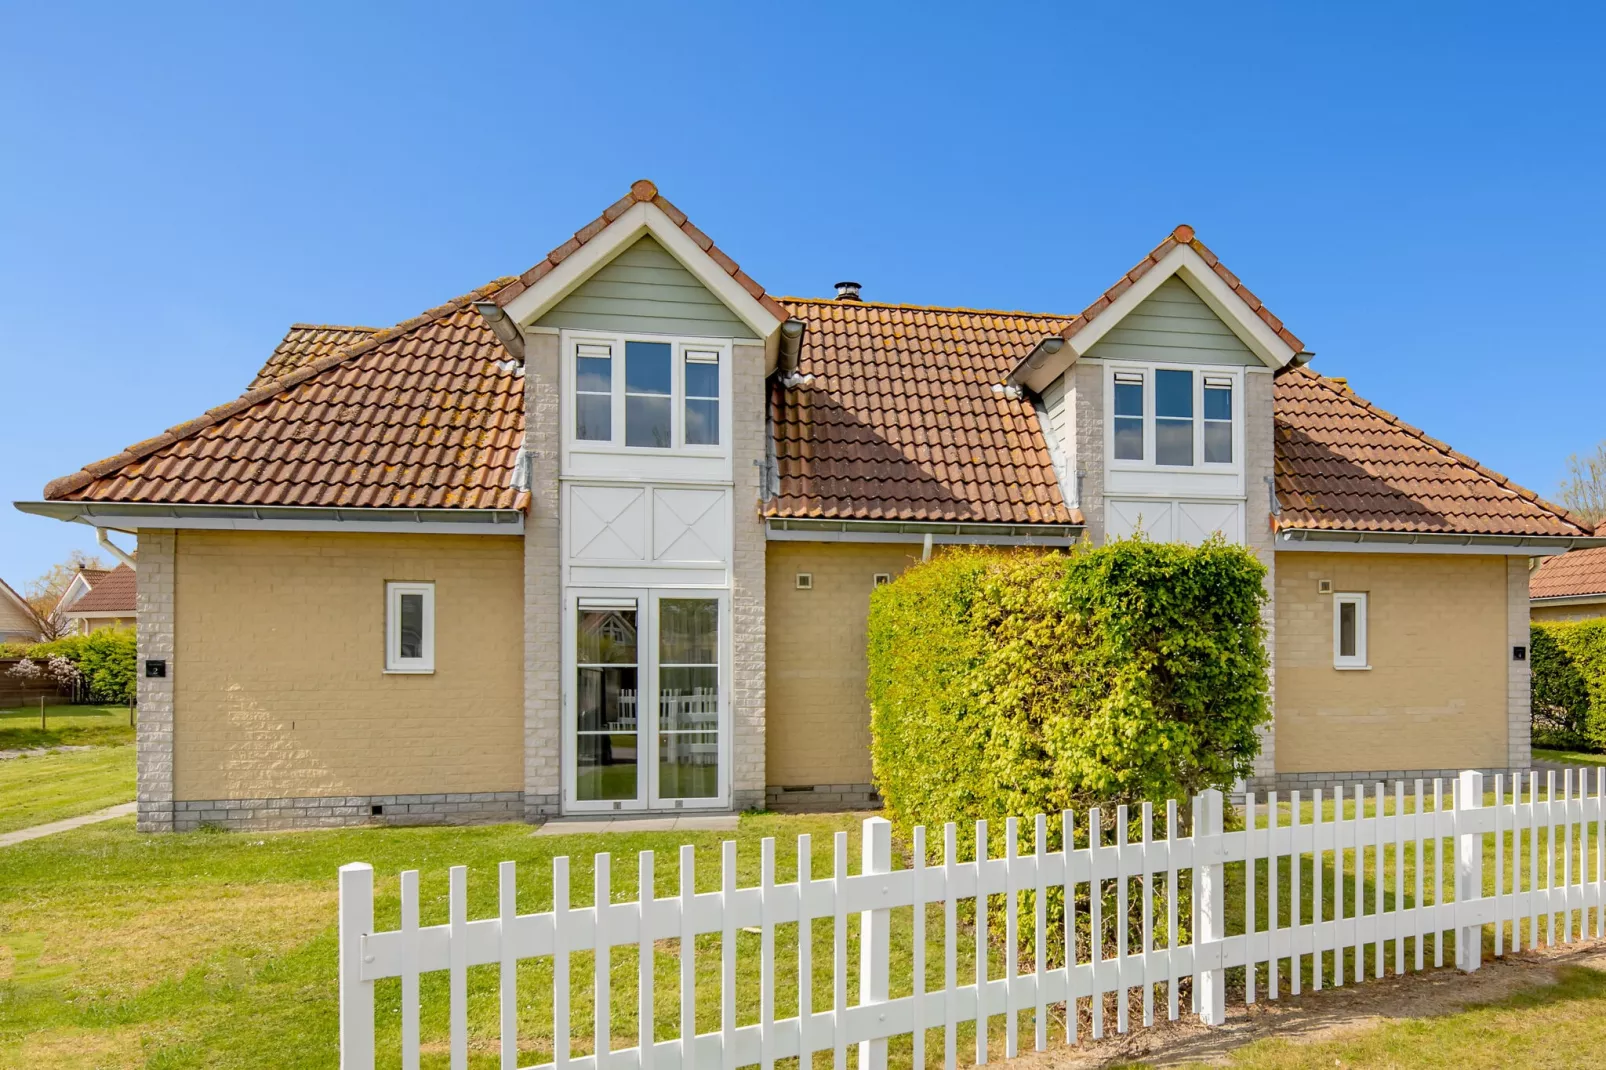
{"x":356,"y":995}
{"x":1209,"y":889}
{"x":875,"y":927}
{"x":1469,"y":873}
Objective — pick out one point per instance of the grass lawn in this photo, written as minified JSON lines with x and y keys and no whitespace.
{"x":218,"y":949}
{"x":1555,"y":1026}
{"x":48,"y":787}
{"x":76,"y":726}
{"x":1569,"y":757}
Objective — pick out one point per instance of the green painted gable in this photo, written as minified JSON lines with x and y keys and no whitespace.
{"x":645,"y":289}
{"x":1174,"y":324}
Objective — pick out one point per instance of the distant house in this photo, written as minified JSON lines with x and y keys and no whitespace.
{"x":17,"y":623}
{"x":1571,"y":586}
{"x":99,"y":599}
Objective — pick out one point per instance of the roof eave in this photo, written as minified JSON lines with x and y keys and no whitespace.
{"x":1355,"y":540}
{"x":132,"y":516}
{"x":956,"y":532}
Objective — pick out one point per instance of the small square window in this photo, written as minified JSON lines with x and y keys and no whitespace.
{"x":410,"y":627}
{"x":805,"y":581}
{"x":1349,"y":631}
{"x":883,"y":578}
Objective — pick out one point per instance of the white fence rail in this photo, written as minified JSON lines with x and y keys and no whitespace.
{"x":1563,"y":879}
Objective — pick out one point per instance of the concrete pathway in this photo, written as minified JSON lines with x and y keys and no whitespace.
{"x":22,"y":835}
{"x":574,"y":826}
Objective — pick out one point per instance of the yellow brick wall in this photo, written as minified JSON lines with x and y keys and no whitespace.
{"x":279,"y":687}
{"x":818,"y":716}
{"x":1435,"y":696}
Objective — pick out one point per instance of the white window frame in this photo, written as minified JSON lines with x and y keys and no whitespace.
{"x":394,"y":662}
{"x":1200,"y":371}
{"x":572,"y":340}
{"x":1358,"y":659}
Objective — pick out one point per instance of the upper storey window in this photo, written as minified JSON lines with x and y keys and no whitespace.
{"x":647,"y":394}
{"x":1173,"y":418}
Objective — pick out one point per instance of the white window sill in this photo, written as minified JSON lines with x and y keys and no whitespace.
{"x":1353,"y":668}
{"x":409,"y":672}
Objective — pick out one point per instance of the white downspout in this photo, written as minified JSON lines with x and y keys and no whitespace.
{"x":112,"y":548}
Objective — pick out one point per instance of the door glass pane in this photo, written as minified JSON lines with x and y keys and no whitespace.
{"x":607,"y":731}
{"x":688,"y":698}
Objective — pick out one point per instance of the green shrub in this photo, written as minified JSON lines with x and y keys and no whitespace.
{"x":1011,"y":683}
{"x":105,"y":658}
{"x":1569,"y":684}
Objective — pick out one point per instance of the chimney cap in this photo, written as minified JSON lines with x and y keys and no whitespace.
{"x":847,"y":291}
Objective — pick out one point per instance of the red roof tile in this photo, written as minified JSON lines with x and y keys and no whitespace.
{"x":421,"y":415}
{"x":1345,"y":464}
{"x":1569,"y":575}
{"x":901,"y":422}
{"x":305,"y":343}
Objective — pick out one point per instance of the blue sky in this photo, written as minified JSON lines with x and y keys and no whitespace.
{"x":1415,"y":189}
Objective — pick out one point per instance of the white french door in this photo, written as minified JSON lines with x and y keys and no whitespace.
{"x":646,"y":700}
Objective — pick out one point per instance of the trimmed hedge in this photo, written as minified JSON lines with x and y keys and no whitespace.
{"x":106,"y":658}
{"x":1569,"y":684}
{"x":1010,"y":683}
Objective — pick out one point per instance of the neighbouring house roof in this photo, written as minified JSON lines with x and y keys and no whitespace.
{"x":901,"y":422}
{"x":1345,"y":464}
{"x":1575,"y":574}
{"x":304,"y":343}
{"x":113,"y":593}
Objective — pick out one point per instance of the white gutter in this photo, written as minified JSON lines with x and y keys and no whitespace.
{"x":132,"y":516}
{"x":1404,"y":542}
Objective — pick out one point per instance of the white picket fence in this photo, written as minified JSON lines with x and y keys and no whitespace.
{"x":1556,"y":883}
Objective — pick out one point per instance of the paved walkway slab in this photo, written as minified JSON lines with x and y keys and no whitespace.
{"x":23,"y":835}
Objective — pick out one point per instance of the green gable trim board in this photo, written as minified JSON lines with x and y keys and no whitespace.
{"x":1174,"y":325}
{"x":645,"y":289}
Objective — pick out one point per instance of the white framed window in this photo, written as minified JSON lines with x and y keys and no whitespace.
{"x":1349,"y":631}
{"x":645,"y":394}
{"x":1174,"y":417}
{"x":409,"y":627}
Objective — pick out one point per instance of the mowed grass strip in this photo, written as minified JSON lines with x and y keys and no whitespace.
{"x":37,"y":789}
{"x":1551,"y":1027}
{"x":1570,"y":757}
{"x":65,"y":726}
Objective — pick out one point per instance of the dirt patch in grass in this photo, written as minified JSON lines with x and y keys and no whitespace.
{"x":1319,"y":1017}
{"x":78,"y":1049}
{"x":136,"y":940}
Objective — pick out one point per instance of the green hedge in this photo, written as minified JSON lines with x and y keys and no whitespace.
{"x":1569,"y":684}
{"x":1008,"y":683}
{"x":104,"y":657}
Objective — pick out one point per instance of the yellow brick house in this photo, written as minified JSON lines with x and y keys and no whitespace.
{"x":600,"y":538}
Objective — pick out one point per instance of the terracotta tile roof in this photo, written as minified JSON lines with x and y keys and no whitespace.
{"x":305,"y":343}
{"x":113,"y":593}
{"x":1182,"y":235}
{"x":1343,"y":463}
{"x":1569,"y":575}
{"x":901,"y":421}
{"x":641,"y":192}
{"x":419,"y":415}
{"x":92,"y":576}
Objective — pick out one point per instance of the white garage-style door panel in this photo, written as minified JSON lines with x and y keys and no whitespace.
{"x":690,"y":526}
{"x":608,"y":524}
{"x":1125,"y":518}
{"x":1174,"y":521}
{"x":1197,"y":521}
